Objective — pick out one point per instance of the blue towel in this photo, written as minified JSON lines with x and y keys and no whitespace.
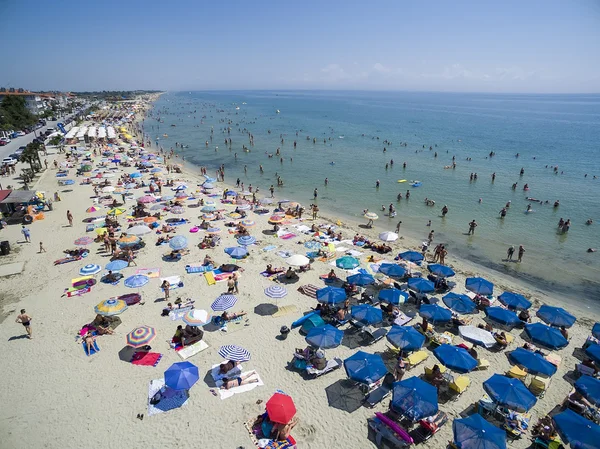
{"x":95,"y":348}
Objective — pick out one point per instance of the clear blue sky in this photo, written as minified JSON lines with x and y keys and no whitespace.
{"x":445,"y":45}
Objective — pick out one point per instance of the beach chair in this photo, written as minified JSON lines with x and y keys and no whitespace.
{"x":429,"y":371}
{"x":459,"y":385}
{"x":538,"y":385}
{"x":513,"y":431}
{"x":374,"y":334}
{"x":430,"y":426}
{"x":377,"y":395}
{"x":416,"y":358}
{"x":517,"y":373}
{"x":332,"y":365}
{"x":482,"y":364}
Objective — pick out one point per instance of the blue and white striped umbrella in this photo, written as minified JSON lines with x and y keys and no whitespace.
{"x":234,"y":353}
{"x":90,"y":269}
{"x":246,"y":240}
{"x":178,"y":242}
{"x":223,"y":302}
{"x":136,"y":281}
{"x":275,"y":291}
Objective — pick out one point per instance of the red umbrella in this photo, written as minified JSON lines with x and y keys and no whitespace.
{"x":281,"y":408}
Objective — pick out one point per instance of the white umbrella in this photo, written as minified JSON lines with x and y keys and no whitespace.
{"x":138,"y":230}
{"x":388,"y":236}
{"x":108,"y":189}
{"x":477,"y":335}
{"x":297,"y":260}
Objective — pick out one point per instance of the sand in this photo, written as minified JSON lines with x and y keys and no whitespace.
{"x":55,"y":396}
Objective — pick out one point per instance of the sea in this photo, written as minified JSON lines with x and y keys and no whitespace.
{"x":351,"y":138}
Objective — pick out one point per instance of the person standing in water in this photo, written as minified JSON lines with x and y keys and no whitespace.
{"x":521,"y":252}
{"x":444,"y":210}
{"x":510,"y":252}
{"x":315,"y":194}
{"x":472,"y":226}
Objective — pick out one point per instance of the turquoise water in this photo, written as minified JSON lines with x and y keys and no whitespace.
{"x":546,"y":130}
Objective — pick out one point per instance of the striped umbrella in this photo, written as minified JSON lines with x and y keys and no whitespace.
{"x":223,"y":302}
{"x":213,"y":230}
{"x":276,"y":218}
{"x":244,"y":207}
{"x":110,"y":307}
{"x":234,"y":353}
{"x":248,"y":223}
{"x":116,"y":265}
{"x":235,"y":215}
{"x":146,"y":199}
{"x":83,"y":241}
{"x":196,"y":317}
{"x":138,"y":230}
{"x":371,"y":216}
{"x":177,"y":210}
{"x":246,"y":240}
{"x":90,"y":210}
{"x":90,"y":269}
{"x":136,"y":281}
{"x":140,"y":336}
{"x":207,"y":217}
{"x":275,"y":291}
{"x":178,"y":242}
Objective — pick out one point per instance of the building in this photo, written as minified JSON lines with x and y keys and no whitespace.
{"x":33,"y":101}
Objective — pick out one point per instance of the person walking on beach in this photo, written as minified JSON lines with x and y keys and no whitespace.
{"x":430,"y":237}
{"x":472,"y":226}
{"x":42,"y":249}
{"x":25,"y":320}
{"x":230,"y":284}
{"x":398,"y":227}
{"x":26,"y":233}
{"x":521,"y":252}
{"x":510,"y":252}
{"x":70,"y":218}
{"x":235,"y":282}
{"x":443,"y":254}
{"x":165,"y":286}
{"x":315,"y":209}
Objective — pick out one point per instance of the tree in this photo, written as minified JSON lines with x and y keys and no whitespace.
{"x":55,"y":141}
{"x":14,"y":113}
{"x":31,"y":156}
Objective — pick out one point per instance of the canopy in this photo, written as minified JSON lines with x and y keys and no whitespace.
{"x":297,"y":260}
{"x":421,"y":285}
{"x":455,"y":358}
{"x":474,"y":432}
{"x":280,"y":408}
{"x":367,"y":314}
{"x":514,"y":301}
{"x":556,"y":316}
{"x":546,"y":335}
{"x":480,"y":286}
{"x":502,"y":316}
{"x":392,"y":295}
{"x":234,"y":353}
{"x":347,"y":262}
{"x":324,"y":337}
{"x":331,"y":295}
{"x":406,"y":338}
{"x":589,"y":387}
{"x":533,"y":362}
{"x":361,"y":279}
{"x":459,"y":303}
{"x":414,"y":398}
{"x":411,"y":256}
{"x":441,"y":270}
{"x":510,"y":393}
{"x":181,"y":376}
{"x":365,"y":368}
{"x":435,"y":313}
{"x":392,"y":269}
{"x":579,"y":432}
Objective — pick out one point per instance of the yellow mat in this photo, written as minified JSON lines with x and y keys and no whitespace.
{"x":285,"y":310}
{"x":210,"y":278}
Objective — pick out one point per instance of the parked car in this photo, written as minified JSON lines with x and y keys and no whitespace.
{"x":3,"y":142}
{"x":9,"y":161}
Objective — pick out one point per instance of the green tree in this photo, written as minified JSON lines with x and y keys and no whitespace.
{"x":14,"y":113}
{"x":31,"y":156}
{"x":56,"y":140}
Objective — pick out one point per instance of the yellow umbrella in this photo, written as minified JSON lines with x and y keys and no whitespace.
{"x":110,"y":307}
{"x":100,"y":231}
{"x":117,"y":211}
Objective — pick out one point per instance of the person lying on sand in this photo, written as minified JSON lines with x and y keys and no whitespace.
{"x":271,"y":270}
{"x":238,"y":381}
{"x":228,"y":317}
{"x":89,"y":340}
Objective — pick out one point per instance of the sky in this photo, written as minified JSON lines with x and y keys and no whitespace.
{"x":513,"y":46}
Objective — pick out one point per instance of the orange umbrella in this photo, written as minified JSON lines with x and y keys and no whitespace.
{"x":150,"y":219}
{"x":276,"y":218}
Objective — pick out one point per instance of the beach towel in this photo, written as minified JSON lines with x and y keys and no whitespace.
{"x":225,"y":394}
{"x":210,"y":278}
{"x":233,"y":372}
{"x":402,"y":319}
{"x":190,"y":269}
{"x":174,"y":282}
{"x":70,"y":292}
{"x":146,"y":358}
{"x":285,"y":310}
{"x":290,"y":443}
{"x":191,"y":350}
{"x":284,"y":254}
{"x":177,"y":314}
{"x":288,"y":236}
{"x":309,"y":290}
{"x":269,"y":248}
{"x":173,"y":398}
{"x":66,"y":260}
{"x":150,"y":272}
{"x":94,"y":350}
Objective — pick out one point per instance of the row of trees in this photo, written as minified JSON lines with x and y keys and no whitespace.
{"x":14,"y":113}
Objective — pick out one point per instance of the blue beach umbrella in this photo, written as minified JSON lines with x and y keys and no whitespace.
{"x":324,"y":337}
{"x":181,"y":376}
{"x":502,"y":316}
{"x":275,"y":291}
{"x":510,"y":393}
{"x":392,"y":269}
{"x":130,"y":185}
{"x":246,"y":240}
{"x":208,"y":209}
{"x":435,"y":313}
{"x":480,"y":286}
{"x":459,"y":303}
{"x":414,"y":398}
{"x":209,"y":179}
{"x":135,"y":175}
{"x":532,"y":361}
{"x":223,"y":302}
{"x":178,"y":242}
{"x":406,"y":338}
{"x":90,"y":269}
{"x":393,"y":296}
{"x":331,"y":295}
{"x":596,"y":331}
{"x":116,"y":265}
{"x":411,"y":256}
{"x":367,"y":314}
{"x":208,"y":185}
{"x":441,"y":270}
{"x":546,"y":335}
{"x":180,"y":187}
{"x":474,"y":432}
{"x":593,"y":351}
{"x":579,"y":432}
{"x":230,"y":193}
{"x":556,"y":316}
{"x":514,"y":301}
{"x":361,"y":279}
{"x":167,"y":198}
{"x":311,"y":244}
{"x":421,"y":285}
{"x":234,"y":353}
{"x":347,"y":262}
{"x":136,"y":281}
{"x":156,"y":170}
{"x":365,"y":368}
{"x":237,"y":252}
{"x":589,"y":387}
{"x":455,"y":358}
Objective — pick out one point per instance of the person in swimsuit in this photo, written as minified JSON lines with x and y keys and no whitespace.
{"x":89,"y":340}
{"x":238,"y":381}
{"x":25,"y":320}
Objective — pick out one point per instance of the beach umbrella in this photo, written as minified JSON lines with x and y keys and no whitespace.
{"x":280,"y":408}
{"x":196,"y":317}
{"x":234,"y":353}
{"x":138,"y":230}
{"x":297,"y":260}
{"x":596,"y":331}
{"x":208,"y":209}
{"x":514,"y":301}
{"x":157,"y":207}
{"x":388,"y":236}
{"x":234,"y":215}
{"x":435,"y":313}
{"x":237,"y":252}
{"x":167,"y":198}
{"x":248,"y":223}
{"x":589,"y":387}
{"x":244,"y":207}
{"x":455,"y":358}
{"x":393,"y":296}
{"x":361,"y":279}
{"x":502,"y":316}
{"x":110,"y":307}
{"x":459,"y":303}
{"x":593,"y":351}
{"x":245,"y":192}
{"x":343,"y":395}
{"x":91,"y":210}
{"x":478,"y":336}
{"x":275,"y":291}
{"x":223,"y":302}
{"x":311,"y":244}
{"x":178,"y":242}
{"x":367,"y":314}
{"x":181,"y":195}
{"x":474,"y":432}
{"x":116,"y":265}
{"x":406,"y":338}
{"x":392,"y":269}
{"x":156,"y":170}
{"x":579,"y":432}
{"x":150,"y":219}
{"x":510,"y":393}
{"x":180,"y":187}
{"x":136,"y":281}
{"x":479,"y":285}
{"x":90,"y":269}
{"x":209,"y":179}
{"x":441,"y":270}
{"x":324,"y":337}
{"x":371,"y":216}
{"x":331,"y":295}
{"x":177,"y":210}
{"x":181,"y":376}
{"x":546,"y":335}
{"x":347,"y":262}
{"x":246,"y":240}
{"x":208,"y":186}
{"x":131,"y":185}
{"x":208,"y":216}
{"x":135,"y":175}
{"x":421,"y":285}
{"x":276,"y":219}
{"x":365,"y":368}
{"x":116,"y":211}
{"x":213,"y":230}
{"x":230,"y":193}
{"x":411,"y":256}
{"x":128,"y":240}
{"x":532,"y":361}
{"x":266,"y":201}
{"x":414,"y":398}
{"x":146,"y":199}
{"x":556,"y":316}
{"x":83,"y":241}
{"x":108,"y":189}
{"x":140,"y":336}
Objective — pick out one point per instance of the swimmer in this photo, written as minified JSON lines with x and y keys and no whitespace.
{"x":589,"y":222}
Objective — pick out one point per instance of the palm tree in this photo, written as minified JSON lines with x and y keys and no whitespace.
{"x":31,"y":156}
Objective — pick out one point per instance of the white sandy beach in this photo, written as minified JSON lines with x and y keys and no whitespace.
{"x":55,"y":396}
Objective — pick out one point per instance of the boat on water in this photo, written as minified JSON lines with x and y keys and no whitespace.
{"x":237,"y":108}
{"x":277,"y":111}
{"x":165,"y":135}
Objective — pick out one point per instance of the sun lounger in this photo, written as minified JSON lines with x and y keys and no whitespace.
{"x":512,"y":430}
{"x":416,"y":358}
{"x":459,"y":385}
{"x":538,"y":385}
{"x":402,"y":319}
{"x":555,"y":359}
{"x":517,"y":373}
{"x":584,"y":370}
{"x":332,"y":365}
{"x":374,"y":334}
{"x":377,"y":395}
{"x":429,"y":370}
{"x":482,"y":364}
{"x":385,"y":433}
{"x":430,"y":426}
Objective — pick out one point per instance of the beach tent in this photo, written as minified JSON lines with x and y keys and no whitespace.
{"x":312,"y":322}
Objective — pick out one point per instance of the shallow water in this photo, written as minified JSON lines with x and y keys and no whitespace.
{"x":546,"y":130}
